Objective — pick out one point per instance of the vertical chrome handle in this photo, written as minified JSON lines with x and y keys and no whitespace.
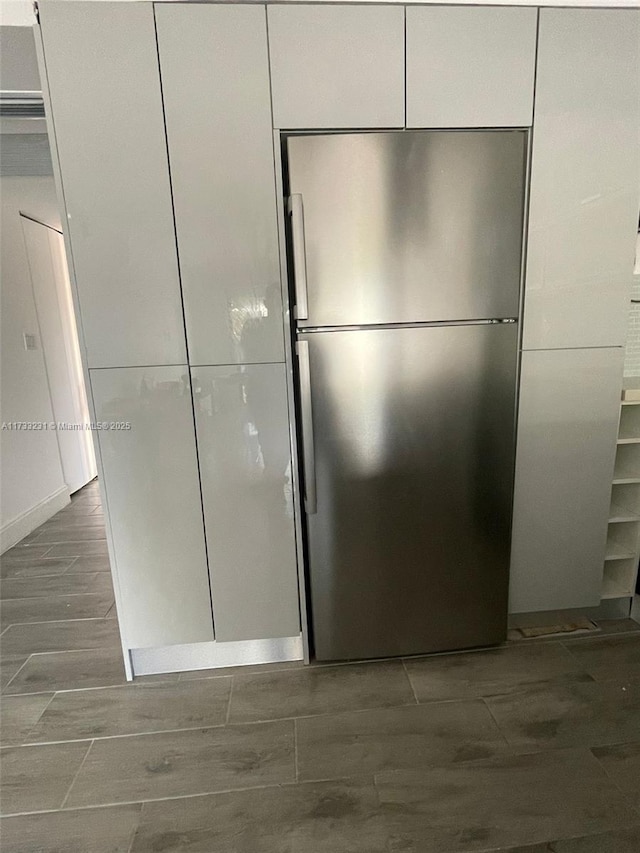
{"x":296,"y":213}
{"x":308,"y":448}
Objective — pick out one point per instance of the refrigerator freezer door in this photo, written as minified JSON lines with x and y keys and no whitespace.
{"x":410,"y":226}
{"x":414,"y":450}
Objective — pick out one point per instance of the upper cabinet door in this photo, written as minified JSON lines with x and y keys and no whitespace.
{"x":102,"y":69}
{"x":337,"y":66}
{"x":584,"y":179}
{"x":470,"y":67}
{"x":215,"y":80}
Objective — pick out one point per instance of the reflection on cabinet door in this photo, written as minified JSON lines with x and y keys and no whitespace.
{"x":245,"y":467}
{"x":153,"y":501}
{"x":220,"y":140}
{"x":336,"y":65}
{"x":470,"y":66}
{"x":567,"y":431}
{"x":102,"y":68}
{"x":585,"y":192}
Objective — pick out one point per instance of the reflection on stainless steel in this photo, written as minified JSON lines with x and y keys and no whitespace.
{"x":413,"y":226}
{"x":409,"y":550}
{"x":407,"y":360}
{"x":245,"y":469}
{"x":252,"y":322}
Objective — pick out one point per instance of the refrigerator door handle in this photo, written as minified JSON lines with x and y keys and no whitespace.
{"x":296,"y":212}
{"x":308,"y":448}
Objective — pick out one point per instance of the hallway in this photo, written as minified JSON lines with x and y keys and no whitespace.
{"x":485,"y":751}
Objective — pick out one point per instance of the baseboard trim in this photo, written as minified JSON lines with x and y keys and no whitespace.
{"x":214,"y":655}
{"x":25,"y":523}
{"x":613,"y":608}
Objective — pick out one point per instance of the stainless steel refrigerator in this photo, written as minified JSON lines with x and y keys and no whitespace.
{"x":406,"y":250}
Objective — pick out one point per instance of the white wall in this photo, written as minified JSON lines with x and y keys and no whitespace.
{"x":32,"y":485}
{"x":17,"y":13}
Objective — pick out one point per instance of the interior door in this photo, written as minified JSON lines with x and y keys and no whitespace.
{"x":411,"y":463}
{"x":407,"y":227}
{"x":59,"y":340}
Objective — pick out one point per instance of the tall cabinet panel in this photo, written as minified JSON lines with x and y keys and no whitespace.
{"x":337,"y":65}
{"x":151,"y":479}
{"x":245,"y":464}
{"x":470,"y":66}
{"x":585,"y":182}
{"x":567,"y":431}
{"x":102,"y":70}
{"x":215,"y":80}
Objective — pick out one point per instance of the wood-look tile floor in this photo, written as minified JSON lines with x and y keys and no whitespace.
{"x":528,"y":748}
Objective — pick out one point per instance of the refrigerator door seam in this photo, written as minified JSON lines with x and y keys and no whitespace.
{"x":419,"y":325}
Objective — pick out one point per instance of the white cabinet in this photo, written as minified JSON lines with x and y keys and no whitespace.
{"x":567,"y":431}
{"x":585,"y":186}
{"x":153,"y":504}
{"x":102,"y":69}
{"x":336,"y":66}
{"x":470,"y":66}
{"x":215,"y":81}
{"x":245,"y":465}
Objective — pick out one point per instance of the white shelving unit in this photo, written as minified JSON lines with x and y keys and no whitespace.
{"x":623,"y":539}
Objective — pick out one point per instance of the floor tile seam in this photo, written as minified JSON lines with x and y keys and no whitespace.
{"x":339,"y":712}
{"x":75,"y":777}
{"x":627,"y":797}
{"x":141,"y":734}
{"x":48,"y":596}
{"x":611,"y":777}
{"x":474,"y":651}
{"x":71,"y":520}
{"x":182,"y":674}
{"x":226,"y":724}
{"x":369,"y":709}
{"x":496,"y":724}
{"x":69,"y":540}
{"x":119,"y":686}
{"x":15,"y":674}
{"x":51,"y":698}
{"x":36,"y":577}
{"x":231,"y":686}
{"x":204,"y":793}
{"x":143,"y":802}
{"x":411,"y":685}
{"x":70,"y":651}
{"x":52,"y":621}
{"x":53,"y":597}
{"x":36,"y":812}
{"x":126,"y":735}
{"x":57,"y":690}
{"x":134,"y":831}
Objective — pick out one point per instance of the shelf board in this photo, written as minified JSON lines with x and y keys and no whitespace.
{"x":612,"y":588}
{"x":622,"y":475}
{"x":628,"y":441}
{"x":630,"y":402}
{"x":620,"y":513}
{"x":618,"y":552}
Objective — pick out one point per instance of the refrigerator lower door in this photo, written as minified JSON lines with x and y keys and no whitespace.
{"x":412,"y":478}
